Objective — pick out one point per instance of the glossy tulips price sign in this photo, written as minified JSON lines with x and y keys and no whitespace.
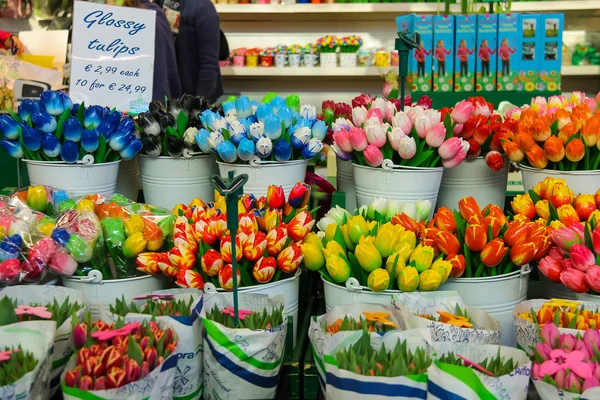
{"x":113,"y":56}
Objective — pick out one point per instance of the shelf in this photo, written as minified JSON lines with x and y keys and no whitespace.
{"x":255,"y":12}
{"x":318,"y":72}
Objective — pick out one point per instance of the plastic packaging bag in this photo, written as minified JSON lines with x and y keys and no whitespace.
{"x":44,"y":199}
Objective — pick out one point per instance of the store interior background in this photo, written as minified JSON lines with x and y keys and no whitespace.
{"x":268,"y":25}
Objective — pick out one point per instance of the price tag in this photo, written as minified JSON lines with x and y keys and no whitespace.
{"x":113,"y":56}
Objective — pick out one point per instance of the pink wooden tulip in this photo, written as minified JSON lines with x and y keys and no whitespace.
{"x":407,"y":148}
{"x":436,"y":135}
{"x":450,"y":148}
{"x":373,"y":156}
{"x":358,"y":139}
{"x":456,"y":160}
{"x":342,"y":139}
{"x":574,"y":279}
{"x":582,"y":257}
{"x":462,"y":111}
{"x":394,"y":137}
{"x":592,"y":278}
{"x":375,"y":113}
{"x":375,"y":135}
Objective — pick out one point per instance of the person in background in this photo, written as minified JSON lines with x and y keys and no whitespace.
{"x":166,"y":82}
{"x":8,"y":41}
{"x":195,"y":24}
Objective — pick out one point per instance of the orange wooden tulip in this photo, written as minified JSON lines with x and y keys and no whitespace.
{"x":541,"y":130}
{"x":458,"y":265}
{"x":554,"y":148}
{"x":526,"y":141}
{"x":537,"y":157}
{"x":567,"y":215}
{"x":522,"y":204}
{"x":446,"y":242}
{"x":493,"y":253}
{"x":522,"y":253}
{"x":561,"y":195}
{"x":406,"y":222}
{"x":468,"y":207}
{"x":590,"y":132}
{"x":516,"y":233}
{"x":475,"y":237}
{"x":444,"y":219}
{"x":496,"y":212}
{"x":513,"y":151}
{"x":585,"y":205}
{"x":575,"y":150}
{"x":566,"y":132}
{"x":562,"y":117}
{"x":495,"y":223}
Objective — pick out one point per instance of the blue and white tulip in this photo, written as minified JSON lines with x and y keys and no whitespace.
{"x":264,"y":146}
{"x":300,"y":137}
{"x":72,"y":129}
{"x":131,"y":150}
{"x":214,"y":139}
{"x":243,"y":106}
{"x":92,"y":117}
{"x":263,"y":111}
{"x":51,"y":145}
{"x":308,"y":111}
{"x":278,"y":104}
{"x":9,"y":127}
{"x":202,"y":140}
{"x":273,"y":128}
{"x":120,"y":140}
{"x":12,"y":147}
{"x":27,"y":107}
{"x":319,"y":130}
{"x":227,"y":151}
{"x":257,"y":130}
{"x":229,"y":110}
{"x":32,"y":138}
{"x":69,"y":152}
{"x":53,"y":102}
{"x":44,"y":121}
{"x":89,"y":140}
{"x":245,"y":150}
{"x":313,"y":148}
{"x":285,"y":114}
{"x":282,"y":151}
{"x":207,"y":118}
{"x":237,"y":132}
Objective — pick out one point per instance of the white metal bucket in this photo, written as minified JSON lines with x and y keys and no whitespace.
{"x":578,"y":181}
{"x":76,"y":179}
{"x":473,"y":178}
{"x":555,"y":290}
{"x":328,"y":60}
{"x":345,"y":183}
{"x":101,"y":293}
{"x":348,"y":60}
{"x":168,"y":181}
{"x":289,"y":288}
{"x":261,"y":175}
{"x":594,"y":298}
{"x":498,"y":295}
{"x":352,"y":293}
{"x":406,"y":185}
{"x":128,"y":180}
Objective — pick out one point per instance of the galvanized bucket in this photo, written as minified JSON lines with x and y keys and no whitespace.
{"x":353,"y":292}
{"x":555,"y":290}
{"x":345,"y":183}
{"x":578,"y":181}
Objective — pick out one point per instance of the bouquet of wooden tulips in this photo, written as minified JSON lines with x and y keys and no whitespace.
{"x":43,"y":199}
{"x":113,"y":356}
{"x":555,"y":133}
{"x":483,"y":242}
{"x":574,"y":258}
{"x":566,"y":364}
{"x":552,"y":201}
{"x":267,"y":248}
{"x":569,"y":316}
{"x":382,"y":256}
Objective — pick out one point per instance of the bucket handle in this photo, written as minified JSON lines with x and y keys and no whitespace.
{"x":94,"y":276}
{"x":187,"y":154}
{"x":525,"y":270}
{"x":353,"y":285}
{"x":87,"y":161}
{"x":388,"y":165}
{"x":209,"y":288}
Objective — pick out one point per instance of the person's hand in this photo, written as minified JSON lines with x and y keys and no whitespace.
{"x":14,"y":41}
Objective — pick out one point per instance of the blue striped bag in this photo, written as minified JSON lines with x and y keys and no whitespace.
{"x":242,"y":363}
{"x":188,"y":373}
{"x":487,"y":329}
{"x":318,"y":336}
{"x":549,"y":392}
{"x":346,"y":385}
{"x":63,"y":345}
{"x":452,"y":382}
{"x":36,"y":337}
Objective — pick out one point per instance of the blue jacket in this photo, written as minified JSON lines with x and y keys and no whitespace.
{"x":198,"y":49}
{"x":166,"y":75}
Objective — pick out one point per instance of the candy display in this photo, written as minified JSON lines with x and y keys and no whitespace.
{"x":53,"y":129}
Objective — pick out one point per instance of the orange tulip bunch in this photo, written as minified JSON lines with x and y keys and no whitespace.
{"x":564,"y":314}
{"x":552,"y":202}
{"x":555,"y":134}
{"x":482,"y":243}
{"x":266,"y":247}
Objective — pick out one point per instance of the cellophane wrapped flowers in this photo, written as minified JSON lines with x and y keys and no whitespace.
{"x":112,"y":356}
{"x":14,"y":364}
{"x":53,"y":129}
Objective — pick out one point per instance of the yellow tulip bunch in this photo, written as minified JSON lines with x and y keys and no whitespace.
{"x":382,"y":256}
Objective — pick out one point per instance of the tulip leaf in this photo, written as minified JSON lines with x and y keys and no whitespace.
{"x":420,"y":158}
{"x":553,"y":213}
{"x":7,"y":312}
{"x":469,"y":268}
{"x":325,"y":275}
{"x":534,"y":196}
{"x":101,"y":150}
{"x":81,"y":113}
{"x":14,"y":115}
{"x":339,"y":238}
{"x":357,"y":271}
{"x":587,"y":234}
{"x":182,"y":121}
{"x":245,"y":276}
{"x":449,"y":128}
{"x":134,"y":351}
{"x":61,"y":121}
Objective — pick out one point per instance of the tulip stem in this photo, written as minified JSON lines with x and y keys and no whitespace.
{"x":508,"y":268}
{"x":479,"y":270}
{"x":493,"y":272}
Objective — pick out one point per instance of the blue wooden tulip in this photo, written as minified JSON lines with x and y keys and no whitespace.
{"x":208,"y":118}
{"x":53,"y":102}
{"x":50,"y":145}
{"x":9,"y":127}
{"x":67,"y":103}
{"x":246,"y":123}
{"x":312,"y":148}
{"x":131,"y":150}
{"x":229,"y":109}
{"x":44,"y":121}
{"x":72,"y":129}
{"x":252,"y":119}
{"x":120,"y":140}
{"x":227,"y":151}
{"x":9,"y":250}
{"x":32,"y":138}
{"x":245,"y":150}
{"x":89,"y":140}
{"x":264,"y":146}
{"x":58,"y":196}
{"x":107,"y":128}
{"x":278,"y":103}
{"x":202,"y":140}
{"x":92,"y":117}
{"x":285,"y":114}
{"x":300,"y":137}
{"x":263,"y":111}
{"x":319,"y":130}
{"x":28,"y":107}
{"x":237,"y":132}
{"x":69,"y":151}
{"x":304,"y":122}
{"x":61,"y":236}
{"x":282,"y":150}
{"x":12,"y":147}
{"x":243,"y":105}
{"x":257,"y":130}
{"x":273,"y":127}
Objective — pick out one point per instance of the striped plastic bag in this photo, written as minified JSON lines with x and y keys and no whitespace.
{"x":548,"y":392}
{"x":188,"y":373}
{"x":36,"y":337}
{"x":318,"y":336}
{"x":346,"y":385}
{"x":453,"y":382}
{"x":242,"y":363}
{"x":487,"y":329}
{"x":42,"y":295}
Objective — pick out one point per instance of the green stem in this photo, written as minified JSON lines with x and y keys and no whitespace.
{"x":508,"y":268}
{"x":479,"y":270}
{"x":493,"y":271}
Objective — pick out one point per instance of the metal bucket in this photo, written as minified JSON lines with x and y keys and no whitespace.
{"x":352,"y":293}
{"x":101,"y":293}
{"x":168,"y":181}
{"x":555,"y":290}
{"x":593,"y":298}
{"x":404,"y":184}
{"x":498,"y":295}
{"x":289,"y":288}
{"x":262,"y":174}
{"x":473,"y":178}
{"x":345,"y":183}
{"x":128,"y":180}
{"x":578,"y":181}
{"x":76,"y":179}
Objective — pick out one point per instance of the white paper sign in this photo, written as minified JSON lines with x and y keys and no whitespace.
{"x":113,"y":56}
